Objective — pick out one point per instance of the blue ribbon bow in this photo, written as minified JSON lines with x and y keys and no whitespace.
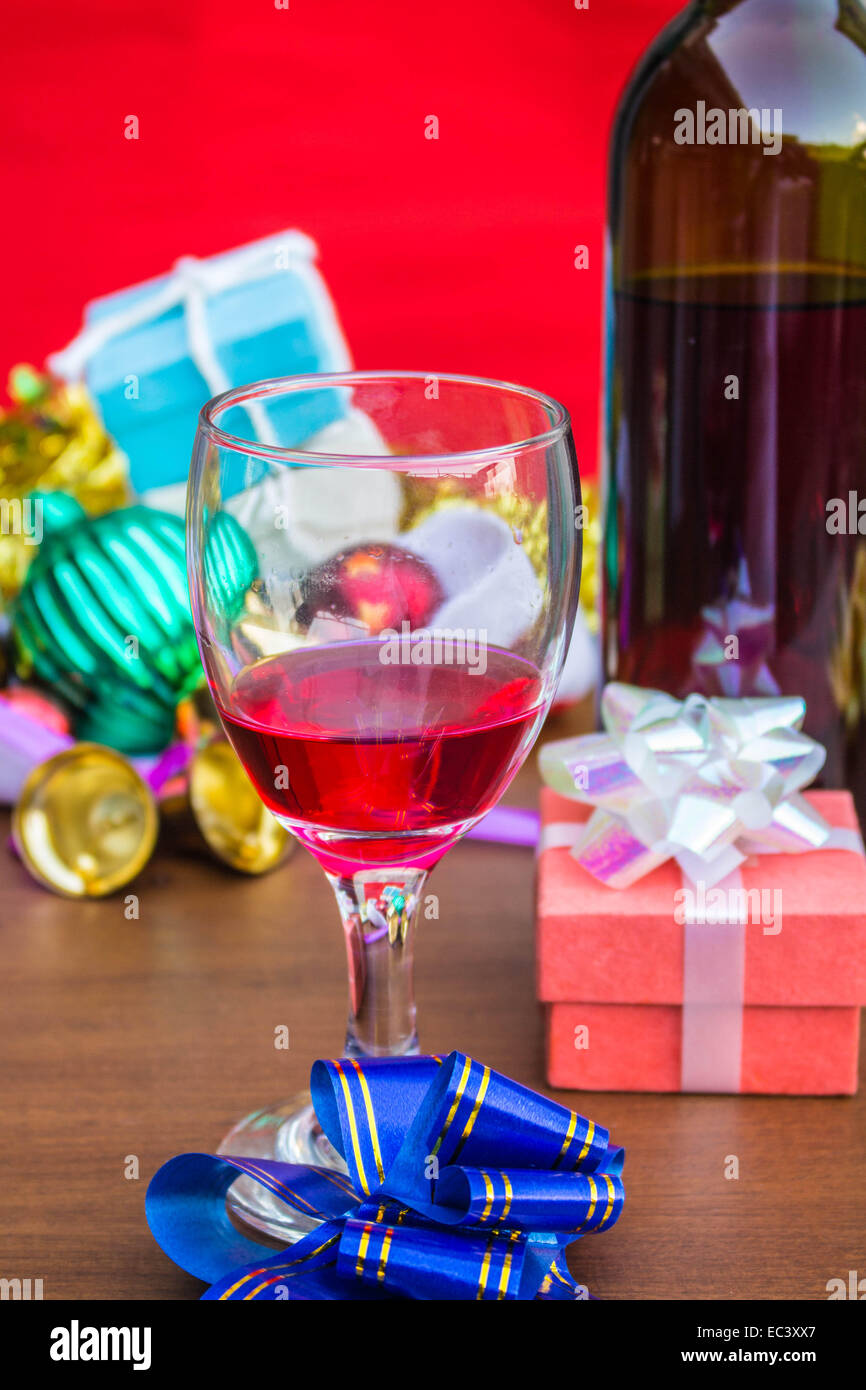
{"x":462,"y":1184}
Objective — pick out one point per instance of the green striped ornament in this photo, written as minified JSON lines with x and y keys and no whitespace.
{"x":104,"y":616}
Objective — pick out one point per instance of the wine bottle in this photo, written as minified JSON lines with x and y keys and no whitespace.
{"x":735,"y":519}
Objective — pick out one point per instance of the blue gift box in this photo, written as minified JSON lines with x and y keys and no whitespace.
{"x":153,"y":354}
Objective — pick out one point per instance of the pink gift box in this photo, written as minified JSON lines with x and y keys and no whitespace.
{"x":613,"y":974}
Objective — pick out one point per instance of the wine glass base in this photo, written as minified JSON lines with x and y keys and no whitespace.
{"x":289,"y":1133}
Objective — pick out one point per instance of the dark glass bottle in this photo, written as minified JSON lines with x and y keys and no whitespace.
{"x":736,"y":385}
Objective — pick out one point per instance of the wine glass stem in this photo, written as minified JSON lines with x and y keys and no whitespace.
{"x":379,"y":910}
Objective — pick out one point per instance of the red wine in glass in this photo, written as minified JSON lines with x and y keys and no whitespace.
{"x":379,"y":762}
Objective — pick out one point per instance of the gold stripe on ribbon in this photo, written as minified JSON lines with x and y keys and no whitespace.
{"x":505,"y":1276}
{"x":485,"y":1271}
{"x":611,"y":1195}
{"x":488,"y":1205}
{"x":353,"y":1129}
{"x":363,"y":1245}
{"x":467,"y":1128}
{"x":253,"y":1274}
{"x":278,"y":1188}
{"x":461,"y":1087}
{"x":509,"y":1196}
{"x":587,"y":1143}
{"x":593,"y":1192}
{"x":572,"y":1125}
{"x":371,"y":1120}
{"x":266,"y":1283}
{"x":285,"y":1272}
{"x":337,"y":1180}
{"x":383,"y":1258}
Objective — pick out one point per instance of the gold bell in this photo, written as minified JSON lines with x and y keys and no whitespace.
{"x":85,"y":822}
{"x":236,"y":825}
{"x":219,"y":798}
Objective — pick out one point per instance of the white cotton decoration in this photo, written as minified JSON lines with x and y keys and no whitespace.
{"x":488,"y":580}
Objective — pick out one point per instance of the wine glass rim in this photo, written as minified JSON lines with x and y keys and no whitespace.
{"x":242,"y":396}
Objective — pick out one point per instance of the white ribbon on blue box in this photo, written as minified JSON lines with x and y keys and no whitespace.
{"x":152,"y":355}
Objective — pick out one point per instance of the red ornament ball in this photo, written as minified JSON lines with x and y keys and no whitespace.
{"x":375,"y":585}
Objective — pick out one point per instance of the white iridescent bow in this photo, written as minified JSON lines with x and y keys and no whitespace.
{"x":706,"y":782}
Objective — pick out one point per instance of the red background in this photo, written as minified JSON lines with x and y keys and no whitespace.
{"x":447,"y":255}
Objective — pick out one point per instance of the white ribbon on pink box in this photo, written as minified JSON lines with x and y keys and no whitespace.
{"x":707,"y":782}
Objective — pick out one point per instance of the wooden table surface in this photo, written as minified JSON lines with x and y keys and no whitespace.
{"x":146,"y":1038}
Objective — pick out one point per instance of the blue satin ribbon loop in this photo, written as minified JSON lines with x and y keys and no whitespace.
{"x":576,"y":1202}
{"x":461,"y":1184}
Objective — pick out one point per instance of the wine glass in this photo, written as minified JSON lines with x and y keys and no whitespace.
{"x":384,"y":572}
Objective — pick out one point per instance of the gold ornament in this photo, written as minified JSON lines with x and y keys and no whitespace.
{"x":85,"y":823}
{"x":590,"y":584}
{"x":50,"y":440}
{"x":228,"y":814}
